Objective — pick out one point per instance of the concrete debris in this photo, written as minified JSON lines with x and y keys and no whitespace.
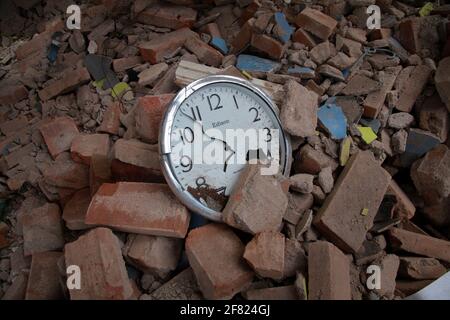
{"x":367,"y":112}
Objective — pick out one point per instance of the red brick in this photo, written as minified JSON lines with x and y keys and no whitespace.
{"x":431,"y":177}
{"x":409,"y":34}
{"x":340,"y":218}
{"x":11,"y":127}
{"x":404,"y":208}
{"x":329,"y":272}
{"x":70,"y":80}
{"x":3,"y":234}
{"x":265,"y":254}
{"x":204,"y":52}
{"x":123,"y":64}
{"x":111,"y":120}
{"x":42,"y":229}
{"x":104,"y":276}
{"x":271,"y":47}
{"x":412,"y":87}
{"x":155,"y":255}
{"x":272,"y":202}
{"x":156,"y":49}
{"x":442,"y":80}
{"x":276,"y":293}
{"x":212,"y":29}
{"x":13,"y":94}
{"x":17,"y":289}
{"x":389,"y":267}
{"x":181,"y":287}
{"x":434,"y":117}
{"x":143,"y":208}
{"x":420,"y":244}
{"x":242,"y":39}
{"x":44,"y":279}
{"x":421,"y":268}
{"x":75,"y":210}
{"x":148,"y":114}
{"x":316,"y":22}
{"x":312,"y":161}
{"x":85,"y":145}
{"x":302,"y":36}
{"x":377,"y":34}
{"x":58,"y":134}
{"x":67,"y":174}
{"x":99,"y":172}
{"x":215,"y":255}
{"x":249,"y":11}
{"x":136,"y":161}
{"x":294,"y":258}
{"x":168,"y":16}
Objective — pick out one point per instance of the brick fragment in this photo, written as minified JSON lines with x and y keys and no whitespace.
{"x":299,"y":113}
{"x":143,"y":208}
{"x":389,"y":267}
{"x":75,"y":210}
{"x":242,"y":39}
{"x":65,"y":173}
{"x":123,"y":64}
{"x":360,"y":85}
{"x":298,"y":203}
{"x":215,"y":255}
{"x":265,"y":254}
{"x":342,"y":218}
{"x":271,"y":202}
{"x":434,"y":117}
{"x":301,"y":36}
{"x":403,"y":208}
{"x":431,"y":177}
{"x":155,"y":255}
{"x":420,"y":244}
{"x":11,"y":127}
{"x":302,"y":182}
{"x":442,"y":80}
{"x":3,"y":233}
{"x":421,"y":268}
{"x":312,"y":161}
{"x":98,"y":255}
{"x":99,"y":172}
{"x":148,"y":115}
{"x":111,"y":120}
{"x":271,"y":47}
{"x":412,"y":87}
{"x":181,"y":287}
{"x":204,"y":52}
{"x":168,"y":16}
{"x":325,"y":262}
{"x":151,"y":74}
{"x":12,"y":94}
{"x":58,"y":134}
{"x":70,"y":80}
{"x":156,"y":49}
{"x":42,"y":229}
{"x":316,"y":22}
{"x":135,"y":161}
{"x":400,"y":120}
{"x":294,"y":258}
{"x":276,"y":293}
{"x":44,"y":279}
{"x":85,"y":145}
{"x":409,"y":34}
{"x":17,"y":289}
{"x":321,"y":52}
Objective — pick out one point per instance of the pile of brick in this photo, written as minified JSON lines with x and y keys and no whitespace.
{"x":81,"y":183}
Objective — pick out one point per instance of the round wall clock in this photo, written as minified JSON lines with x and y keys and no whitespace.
{"x":208,"y":134}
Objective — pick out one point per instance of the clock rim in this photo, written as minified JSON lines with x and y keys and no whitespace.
{"x":165,"y":146}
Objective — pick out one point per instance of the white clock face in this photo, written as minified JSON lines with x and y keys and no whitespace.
{"x":208,"y":147}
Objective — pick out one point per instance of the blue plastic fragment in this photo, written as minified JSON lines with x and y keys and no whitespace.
{"x":346,"y":72}
{"x":301,"y":70}
{"x":219,"y":44}
{"x":333,"y":119}
{"x":248,"y":62}
{"x":375,"y":124}
{"x":418,"y":143}
{"x":285,"y":30}
{"x":53,"y":53}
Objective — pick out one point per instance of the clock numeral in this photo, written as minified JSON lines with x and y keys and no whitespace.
{"x":269,"y":135}
{"x":235,"y":102}
{"x":186,"y":163}
{"x":187,"y":134}
{"x":256,"y":115}
{"x":201,"y":182}
{"x":196,"y":114}
{"x":217,"y":99}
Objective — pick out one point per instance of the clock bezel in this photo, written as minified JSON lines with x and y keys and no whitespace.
{"x":165,"y":136}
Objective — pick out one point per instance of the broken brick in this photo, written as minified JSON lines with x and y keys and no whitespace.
{"x":215,"y":255}
{"x":42,"y":229}
{"x":325,"y":261}
{"x":69,"y":81}
{"x":181,"y":287}
{"x":299,"y":112}
{"x":420,"y":244}
{"x":99,"y":258}
{"x":85,"y":145}
{"x":151,"y":74}
{"x":275,"y":293}
{"x":403,"y":208}
{"x":123,"y":64}
{"x":421,"y":268}
{"x":389,"y":267}
{"x":155,"y":255}
{"x":302,"y":182}
{"x":312,"y":161}
{"x":348,"y":230}
{"x":43,"y":281}
{"x":316,"y":22}
{"x":9,"y":128}
{"x":409,"y":34}
{"x":204,"y":52}
{"x":99,"y":172}
{"x":17,"y":289}
{"x":434,"y":117}
{"x":301,"y":36}
{"x":168,"y":16}
{"x":3,"y":233}
{"x":265,"y":254}
{"x":111,"y":120}
{"x":360,"y":85}
{"x":271,"y":204}
{"x":412,"y":87}
{"x":58,"y":134}
{"x":152,"y":209}
{"x":12,"y":94}
{"x":294,"y":258}
{"x":271,"y":47}
{"x":135,"y":161}
{"x":65,"y":173}
{"x":75,"y":210}
{"x":320,"y":53}
{"x":148,"y":115}
{"x":442,"y":80}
